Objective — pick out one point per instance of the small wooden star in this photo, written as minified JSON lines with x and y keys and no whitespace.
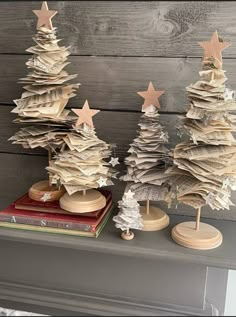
{"x":102,"y":181}
{"x":114,"y":161}
{"x":214,"y":47}
{"x":45,"y":16}
{"x":209,"y":198}
{"x":151,"y":96}
{"x":85,"y":115}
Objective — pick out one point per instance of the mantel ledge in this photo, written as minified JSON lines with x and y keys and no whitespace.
{"x":155,"y":245}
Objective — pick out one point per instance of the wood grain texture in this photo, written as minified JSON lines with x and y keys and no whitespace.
{"x":123,"y":28}
{"x":113,"y":82}
{"x":111,"y":126}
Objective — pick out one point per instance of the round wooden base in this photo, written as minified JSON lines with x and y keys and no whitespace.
{"x":80,"y":203}
{"x":206,"y":238}
{"x":42,"y":191}
{"x":156,"y":220}
{"x":127,"y":236}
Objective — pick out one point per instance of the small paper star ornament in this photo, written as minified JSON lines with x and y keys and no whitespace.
{"x":129,"y":195}
{"x":102,"y":181}
{"x":46,"y":197}
{"x":114,"y":161}
{"x":228,"y":94}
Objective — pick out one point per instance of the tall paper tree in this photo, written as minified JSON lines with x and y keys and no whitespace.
{"x":81,"y":166}
{"x":46,"y":89}
{"x":205,"y":163}
{"x":149,"y":157}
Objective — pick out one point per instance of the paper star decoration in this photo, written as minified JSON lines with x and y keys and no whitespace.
{"x":214,"y":47}
{"x":46,"y":197}
{"x":209,"y":198}
{"x":226,"y":183}
{"x":129,"y":195}
{"x":151,"y":96}
{"x":85,"y":115}
{"x":45,"y":16}
{"x":102,"y":181}
{"x":114,"y":161}
{"x":228,"y":94}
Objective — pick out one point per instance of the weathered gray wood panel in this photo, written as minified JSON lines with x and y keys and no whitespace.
{"x":111,"y":126}
{"x":113,"y":82}
{"x":127,"y":28}
{"x":17,"y":174}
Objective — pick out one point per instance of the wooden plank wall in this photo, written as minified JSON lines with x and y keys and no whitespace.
{"x":117,"y":48}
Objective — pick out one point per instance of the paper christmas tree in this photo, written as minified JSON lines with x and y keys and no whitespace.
{"x":205,"y":165}
{"x":46,"y":89}
{"x":82,"y":165}
{"x":45,"y":97}
{"x":129,"y":216}
{"x":149,"y":157}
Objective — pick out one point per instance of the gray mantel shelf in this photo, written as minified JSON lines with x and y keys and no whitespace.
{"x":146,"y":244}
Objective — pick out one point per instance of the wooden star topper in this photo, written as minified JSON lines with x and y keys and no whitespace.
{"x":85,"y":115}
{"x":45,"y":16}
{"x":214,"y":47}
{"x":151,"y":96}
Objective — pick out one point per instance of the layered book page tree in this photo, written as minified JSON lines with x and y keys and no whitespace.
{"x":46,"y":94}
{"x":82,"y":165}
{"x":148,"y":160}
{"x":204,"y":171}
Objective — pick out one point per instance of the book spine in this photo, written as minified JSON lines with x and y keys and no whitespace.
{"x":47,"y":223}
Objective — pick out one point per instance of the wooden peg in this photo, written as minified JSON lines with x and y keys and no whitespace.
{"x":198,"y":216}
{"x":148,"y":207}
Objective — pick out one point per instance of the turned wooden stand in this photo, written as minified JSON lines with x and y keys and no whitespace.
{"x":44,"y":188}
{"x":83,"y":201}
{"x":197,"y":235}
{"x":154,"y":218}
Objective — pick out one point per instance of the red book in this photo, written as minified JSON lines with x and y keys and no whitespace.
{"x":27,"y":203}
{"x":54,"y":220}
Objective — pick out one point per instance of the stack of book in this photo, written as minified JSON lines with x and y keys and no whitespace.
{"x":27,"y":214}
